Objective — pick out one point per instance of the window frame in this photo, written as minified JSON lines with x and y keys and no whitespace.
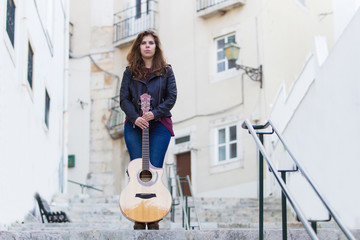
{"x":218,"y":50}
{"x":3,"y":24}
{"x":11,"y":38}
{"x":227,"y":144}
{"x":228,"y":73}
{"x":30,"y":50}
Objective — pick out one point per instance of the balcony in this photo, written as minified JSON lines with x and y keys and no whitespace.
{"x":133,"y":20}
{"x":115,"y":123}
{"x":209,"y":8}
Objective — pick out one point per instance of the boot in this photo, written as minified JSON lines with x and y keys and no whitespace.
{"x":139,"y":226}
{"x":153,"y":225}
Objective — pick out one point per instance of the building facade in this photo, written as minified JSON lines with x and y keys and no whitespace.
{"x":213,"y":97}
{"x":33,"y":70}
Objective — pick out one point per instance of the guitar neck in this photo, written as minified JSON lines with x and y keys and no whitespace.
{"x":145,"y":149}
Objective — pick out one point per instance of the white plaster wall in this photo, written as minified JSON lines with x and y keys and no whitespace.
{"x":79,"y":92}
{"x":322,"y":131}
{"x":79,"y":121}
{"x":31,"y":154}
{"x":344,"y":11}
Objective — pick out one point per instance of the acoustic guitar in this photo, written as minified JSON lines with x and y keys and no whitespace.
{"x":145,"y":198}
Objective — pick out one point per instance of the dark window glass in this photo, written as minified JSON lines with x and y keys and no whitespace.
{"x":47,"y":108}
{"x":221,"y":55}
{"x":222,"y":153}
{"x":231,"y":38}
{"x":220,"y":44}
{"x":221,"y":67}
{"x":182,"y":139}
{"x":233,"y":150}
{"x":222,"y":136}
{"x":138,"y":9}
{"x":232,"y":133}
{"x":10,"y":20}
{"x":30,"y":66}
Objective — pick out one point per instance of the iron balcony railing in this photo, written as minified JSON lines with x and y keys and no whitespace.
{"x":217,"y":5}
{"x":133,"y":20}
{"x":115,"y":123}
{"x":258,"y":132}
{"x":204,"y":4}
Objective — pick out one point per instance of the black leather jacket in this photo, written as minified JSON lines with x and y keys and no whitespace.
{"x":162,"y":101}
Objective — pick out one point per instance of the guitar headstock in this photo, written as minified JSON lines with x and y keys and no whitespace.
{"x":145,"y":102}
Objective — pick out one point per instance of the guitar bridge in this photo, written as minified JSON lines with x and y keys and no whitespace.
{"x":145,"y":195}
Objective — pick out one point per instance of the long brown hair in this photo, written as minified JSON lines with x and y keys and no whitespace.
{"x":136,"y":63}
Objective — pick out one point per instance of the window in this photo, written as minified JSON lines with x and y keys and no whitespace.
{"x":147,"y":6}
{"x":227,"y":143}
{"x":182,"y":139}
{"x":138,"y":8}
{"x":47,"y":108}
{"x":10,"y":21}
{"x":30,"y":66}
{"x":221,"y":61}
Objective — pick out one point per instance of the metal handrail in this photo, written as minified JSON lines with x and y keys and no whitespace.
{"x":182,"y":202}
{"x":282,"y":184}
{"x":170,"y":186}
{"x":316,"y":189}
{"x":85,"y":186}
{"x":251,"y":128}
{"x":179,"y":191}
{"x":194,"y":204}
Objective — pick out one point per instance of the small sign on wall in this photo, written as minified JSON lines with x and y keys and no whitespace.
{"x":71,"y":161}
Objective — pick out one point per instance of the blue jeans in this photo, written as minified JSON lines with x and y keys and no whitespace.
{"x":159,"y":138}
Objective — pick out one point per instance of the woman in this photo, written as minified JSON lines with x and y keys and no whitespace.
{"x":148,"y":72}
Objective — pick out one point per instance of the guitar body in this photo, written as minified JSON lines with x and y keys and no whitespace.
{"x":145,"y":198}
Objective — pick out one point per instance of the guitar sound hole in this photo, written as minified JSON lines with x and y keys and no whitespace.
{"x":145,"y":176}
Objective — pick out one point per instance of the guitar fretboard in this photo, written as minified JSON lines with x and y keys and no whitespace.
{"x":145,"y":149}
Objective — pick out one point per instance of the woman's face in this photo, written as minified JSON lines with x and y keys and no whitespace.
{"x":147,"y":47}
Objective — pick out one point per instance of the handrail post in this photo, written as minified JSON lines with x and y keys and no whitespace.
{"x":314,"y":226}
{"x":283,"y":208}
{"x":184,"y":198}
{"x":261,"y":190}
{"x":187,"y":209}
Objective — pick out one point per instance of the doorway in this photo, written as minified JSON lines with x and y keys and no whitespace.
{"x":183,"y":168}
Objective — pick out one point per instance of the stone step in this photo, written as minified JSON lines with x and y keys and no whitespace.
{"x":225,"y":211}
{"x":164,"y":225}
{"x":248,"y":234}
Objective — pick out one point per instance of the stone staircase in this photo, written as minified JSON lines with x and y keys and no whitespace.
{"x":221,"y":218}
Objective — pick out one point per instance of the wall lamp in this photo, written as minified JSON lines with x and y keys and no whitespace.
{"x":232,"y":50}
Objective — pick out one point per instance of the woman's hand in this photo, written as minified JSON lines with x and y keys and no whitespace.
{"x":141,"y":123}
{"x":148,"y":116}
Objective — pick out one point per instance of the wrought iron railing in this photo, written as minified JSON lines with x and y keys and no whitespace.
{"x":286,"y":193}
{"x":176,"y":186}
{"x":83,"y":186}
{"x":115,"y":123}
{"x":204,"y":4}
{"x":134,"y":20}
